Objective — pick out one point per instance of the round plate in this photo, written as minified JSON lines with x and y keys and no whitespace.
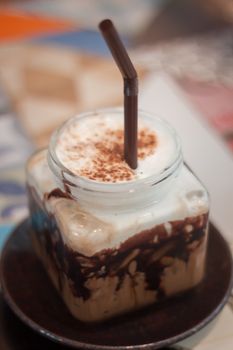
{"x":32,"y":297}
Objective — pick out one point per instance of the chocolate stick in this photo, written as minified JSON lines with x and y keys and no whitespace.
{"x":129,"y":75}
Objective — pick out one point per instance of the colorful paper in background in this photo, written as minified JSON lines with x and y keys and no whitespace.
{"x":131,"y":16}
{"x":19,"y":25}
{"x":46,"y":89}
{"x":13,"y":203}
{"x":51,"y":67}
{"x":15,"y":143}
{"x":15,"y":148}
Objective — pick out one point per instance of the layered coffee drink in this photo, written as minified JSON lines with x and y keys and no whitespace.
{"x":113,"y":239}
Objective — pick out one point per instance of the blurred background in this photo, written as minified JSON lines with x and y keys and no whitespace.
{"x":53,"y":62}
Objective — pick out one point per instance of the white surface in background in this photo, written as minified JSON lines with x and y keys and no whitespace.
{"x":204,"y":151}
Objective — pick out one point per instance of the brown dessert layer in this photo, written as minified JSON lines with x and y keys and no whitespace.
{"x":151,"y":254}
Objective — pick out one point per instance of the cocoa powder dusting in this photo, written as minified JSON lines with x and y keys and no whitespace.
{"x":108,"y":164}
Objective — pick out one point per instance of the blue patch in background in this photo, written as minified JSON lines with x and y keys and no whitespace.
{"x":11,"y":188}
{"x":86,"y":40}
{"x":11,"y":210}
{"x":5,"y":231}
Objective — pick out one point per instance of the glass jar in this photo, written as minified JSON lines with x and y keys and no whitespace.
{"x":110,"y":248}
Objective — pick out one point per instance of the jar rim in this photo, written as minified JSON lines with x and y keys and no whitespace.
{"x":74,"y":180}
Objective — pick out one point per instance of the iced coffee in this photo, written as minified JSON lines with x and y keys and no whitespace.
{"x":113,"y":239}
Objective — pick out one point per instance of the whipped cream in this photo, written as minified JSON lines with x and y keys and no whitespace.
{"x":92,"y":147}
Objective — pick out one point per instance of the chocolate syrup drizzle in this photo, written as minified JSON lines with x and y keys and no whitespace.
{"x":112,"y":262}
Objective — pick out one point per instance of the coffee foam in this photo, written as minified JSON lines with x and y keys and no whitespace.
{"x":92,"y":147}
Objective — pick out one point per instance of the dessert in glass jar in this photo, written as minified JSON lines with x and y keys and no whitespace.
{"x":113,"y":239}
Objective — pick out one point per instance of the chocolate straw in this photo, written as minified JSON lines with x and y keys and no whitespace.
{"x":129,"y":75}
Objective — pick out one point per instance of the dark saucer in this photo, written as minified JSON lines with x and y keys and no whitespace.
{"x":31,"y":296}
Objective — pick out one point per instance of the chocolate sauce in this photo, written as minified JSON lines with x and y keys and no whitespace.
{"x":145,"y":248}
{"x":57,"y":193}
{"x":47,"y":234}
